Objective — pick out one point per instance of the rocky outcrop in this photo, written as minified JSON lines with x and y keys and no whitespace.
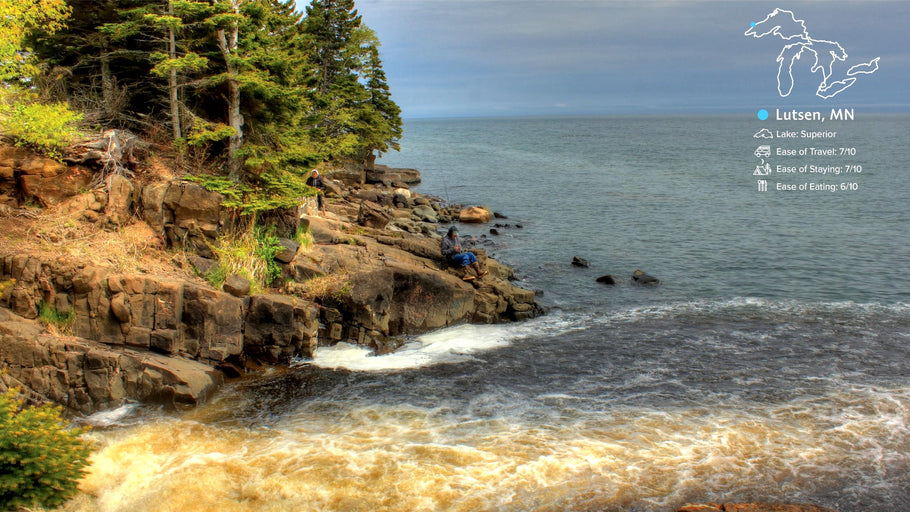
{"x":279,"y":327}
{"x":185,"y":214}
{"x":379,"y":246}
{"x":39,"y":180}
{"x":87,"y":376}
{"x":168,"y":316}
{"x":752,"y":507}
{"x":151,"y":320}
{"x":399,"y":284}
{"x":391,"y":176}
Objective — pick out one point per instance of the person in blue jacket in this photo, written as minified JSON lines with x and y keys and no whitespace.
{"x":455,"y":256}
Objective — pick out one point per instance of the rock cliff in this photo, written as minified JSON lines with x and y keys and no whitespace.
{"x":370,"y":272}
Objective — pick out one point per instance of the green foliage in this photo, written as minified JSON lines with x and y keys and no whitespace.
{"x":275,"y":190}
{"x":268,"y":247}
{"x":18,"y":20}
{"x":233,"y":192}
{"x":216,"y":276}
{"x":41,"y":459}
{"x":249,"y":253}
{"x":50,"y":316}
{"x":47,"y":128}
{"x":204,"y":133}
{"x":187,"y":63}
{"x":291,"y":91}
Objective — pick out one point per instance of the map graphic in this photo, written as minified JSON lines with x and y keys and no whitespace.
{"x":823,"y":55}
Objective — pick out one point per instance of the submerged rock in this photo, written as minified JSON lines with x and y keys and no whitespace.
{"x":580,"y":262}
{"x":607,"y":279}
{"x":639,"y":277}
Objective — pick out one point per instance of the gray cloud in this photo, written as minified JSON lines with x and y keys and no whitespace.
{"x":500,"y":57}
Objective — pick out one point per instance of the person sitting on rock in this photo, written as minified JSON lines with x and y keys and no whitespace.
{"x":452,"y":250}
{"x":315,"y":181}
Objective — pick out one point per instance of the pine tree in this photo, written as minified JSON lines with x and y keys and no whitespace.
{"x":385,"y":130}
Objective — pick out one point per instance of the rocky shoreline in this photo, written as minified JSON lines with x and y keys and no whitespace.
{"x":172,"y":339}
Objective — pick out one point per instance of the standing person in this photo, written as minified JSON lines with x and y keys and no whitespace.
{"x":316,"y":181}
{"x":451,"y":249}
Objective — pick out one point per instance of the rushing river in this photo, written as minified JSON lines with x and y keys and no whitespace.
{"x":773,"y":362}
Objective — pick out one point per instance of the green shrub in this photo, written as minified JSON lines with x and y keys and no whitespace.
{"x":47,"y":128}
{"x":41,"y":459}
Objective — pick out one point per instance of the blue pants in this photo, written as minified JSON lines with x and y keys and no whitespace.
{"x":464,"y":259}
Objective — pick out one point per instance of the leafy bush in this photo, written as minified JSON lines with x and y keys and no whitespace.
{"x":251,"y":254}
{"x":41,"y":459}
{"x":47,"y":128}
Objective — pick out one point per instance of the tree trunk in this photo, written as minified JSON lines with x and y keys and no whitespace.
{"x":107,"y":85}
{"x":172,"y":77}
{"x":228,"y":44}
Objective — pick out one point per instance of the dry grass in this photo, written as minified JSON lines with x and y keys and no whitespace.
{"x":60,"y":233}
{"x":329,"y":288}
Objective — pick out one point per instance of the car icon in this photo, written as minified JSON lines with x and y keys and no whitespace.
{"x":763,"y":151}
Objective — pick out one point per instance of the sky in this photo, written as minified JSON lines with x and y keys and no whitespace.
{"x":478,"y":58}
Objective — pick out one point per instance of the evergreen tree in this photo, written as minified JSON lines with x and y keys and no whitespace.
{"x":331,"y":25}
{"x":384,"y":118}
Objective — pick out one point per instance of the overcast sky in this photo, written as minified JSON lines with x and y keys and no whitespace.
{"x":449,"y":58}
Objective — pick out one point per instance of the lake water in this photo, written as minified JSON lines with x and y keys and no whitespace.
{"x":772,"y":363}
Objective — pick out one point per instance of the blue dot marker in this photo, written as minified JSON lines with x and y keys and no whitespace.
{"x":753,"y":23}
{"x":762,"y":115}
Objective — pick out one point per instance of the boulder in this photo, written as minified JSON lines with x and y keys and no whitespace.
{"x":152,"y":198}
{"x":12,"y":156}
{"x":475,"y":215}
{"x":425,"y":214}
{"x":119,"y":200}
{"x":372,"y":217}
{"x":278,"y":327}
{"x":197,"y":205}
{"x":212,"y":323}
{"x":236,"y":285}
{"x":404,"y":299}
{"x":40,"y":166}
{"x":321,"y":230}
{"x":202,"y":265}
{"x":303,"y":267}
{"x":641,"y":278}
{"x":289,"y":250}
{"x":54,"y":189}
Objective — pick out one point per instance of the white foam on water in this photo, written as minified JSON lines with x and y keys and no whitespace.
{"x":112,"y":417}
{"x":450,"y":345}
{"x":453,"y":345}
